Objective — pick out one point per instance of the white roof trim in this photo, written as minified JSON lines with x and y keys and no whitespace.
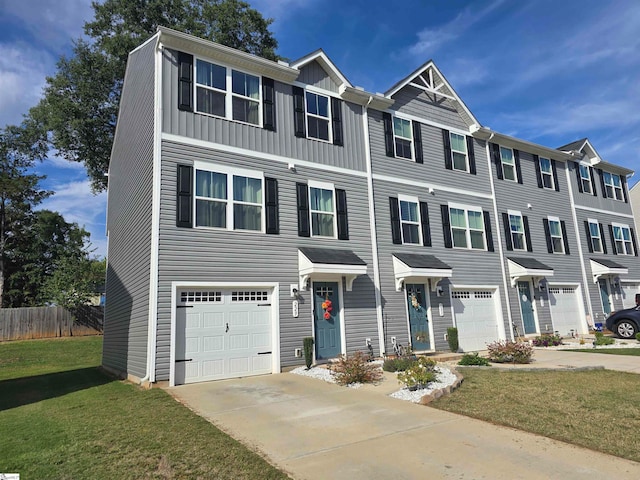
{"x":518,"y":272}
{"x":489,"y":135}
{"x":598,"y":270}
{"x":327,"y":271}
{"x":326,"y":63}
{"x":403,"y":273}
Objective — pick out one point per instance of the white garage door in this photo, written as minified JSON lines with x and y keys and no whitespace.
{"x":565,"y":310}
{"x":476,"y":318}
{"x":629,"y":291}
{"x":222,"y":334}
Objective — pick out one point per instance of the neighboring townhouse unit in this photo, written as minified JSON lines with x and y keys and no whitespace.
{"x":634,"y":200}
{"x":253,"y":203}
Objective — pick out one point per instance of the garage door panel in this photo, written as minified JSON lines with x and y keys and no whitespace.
{"x":565,"y":310}
{"x":239,"y":366}
{"x":193,"y":320}
{"x":213,"y":344}
{"x":213,"y":319}
{"x":476,"y":318}
{"x":629,"y":291}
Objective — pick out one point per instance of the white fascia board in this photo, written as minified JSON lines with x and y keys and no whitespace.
{"x":613,"y":168}
{"x":308,"y":270}
{"x":487,"y":134}
{"x":598,"y":270}
{"x":362,"y":97}
{"x":517,"y":271}
{"x":227,"y":55}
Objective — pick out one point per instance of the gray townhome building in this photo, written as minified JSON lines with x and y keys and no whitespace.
{"x":253,"y":203}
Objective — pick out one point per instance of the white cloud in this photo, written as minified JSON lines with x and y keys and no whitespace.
{"x":279,"y":9}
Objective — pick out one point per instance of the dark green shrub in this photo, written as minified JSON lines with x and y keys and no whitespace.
{"x":602,"y":340}
{"x":355,"y":369}
{"x":399,"y":364}
{"x":452,"y":339}
{"x":307,"y":343}
{"x":510,"y":352}
{"x":547,"y":340}
{"x":474,"y":359}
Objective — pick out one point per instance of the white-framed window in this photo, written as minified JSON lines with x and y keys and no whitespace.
{"x":228,"y":93}
{"x":460,"y":160}
{"x":546,"y":172}
{"x":410,"y":220}
{"x":467,"y":227}
{"x":516,"y":226}
{"x":322,"y":207}
{"x":613,"y":185}
{"x":594,"y":236}
{"x":230,"y":199}
{"x":555,"y":232}
{"x":585,"y":178}
{"x":508,"y":164}
{"x":318,"y":116}
{"x":622,"y":238}
{"x":402,"y":138}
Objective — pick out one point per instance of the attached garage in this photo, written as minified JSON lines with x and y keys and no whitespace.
{"x":629,"y":291}
{"x":566,"y":314}
{"x":223,"y":333}
{"x":476,"y":318}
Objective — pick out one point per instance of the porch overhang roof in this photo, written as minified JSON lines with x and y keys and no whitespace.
{"x":329,"y":263}
{"x":522,"y":267}
{"x":601,"y":267}
{"x":415,"y":267}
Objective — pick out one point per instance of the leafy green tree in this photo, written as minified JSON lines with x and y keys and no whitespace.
{"x":75,"y":281}
{"x":79,"y":108}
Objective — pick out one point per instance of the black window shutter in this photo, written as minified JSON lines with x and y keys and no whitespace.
{"x":633,"y":239}
{"x":271,"y":206}
{"x":554,"y":169}
{"x":602,"y":185}
{"x":424,"y":219}
{"x":299,"y":122}
{"x":446,"y":226}
{"x":527,"y":233}
{"x":184,"y":199}
{"x":604,"y":243}
{"x":388,"y":134}
{"x":487,"y":231}
{"x":302,"y":193}
{"x":614,"y":249}
{"x":516,"y":156}
{"x":341,"y":210}
{"x":588,"y":232}
{"x":623,"y":184}
{"x":417,"y":141}
{"x":578,"y":177}
{"x":446,"y":141}
{"x":536,"y":162}
{"x":495,"y":154}
{"x":547,"y":234}
{"x":336,"y":121}
{"x":268,"y":104}
{"x":565,"y":240}
{"x":394,"y":210}
{"x":507,"y":231}
{"x":185,"y":82}
{"x":471,"y":151}
{"x":593,"y":185}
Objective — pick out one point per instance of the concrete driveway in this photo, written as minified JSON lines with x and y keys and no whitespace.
{"x":315,"y":430}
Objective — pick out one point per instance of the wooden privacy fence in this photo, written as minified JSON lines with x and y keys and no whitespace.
{"x":49,"y":322}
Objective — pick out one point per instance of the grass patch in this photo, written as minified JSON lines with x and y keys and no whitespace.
{"x":66,"y":420}
{"x":633,"y":352}
{"x":598,"y":409}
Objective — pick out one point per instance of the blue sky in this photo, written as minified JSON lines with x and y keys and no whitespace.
{"x":546,"y":71}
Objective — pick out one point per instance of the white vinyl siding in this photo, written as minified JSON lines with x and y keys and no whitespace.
{"x":508,"y":164}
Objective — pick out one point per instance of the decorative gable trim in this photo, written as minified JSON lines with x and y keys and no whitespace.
{"x":327,"y":65}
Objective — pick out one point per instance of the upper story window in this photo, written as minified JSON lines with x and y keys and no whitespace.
{"x":227,"y":93}
{"x":613,"y":185}
{"x":318,"y":116}
{"x":410,"y":220}
{"x":459,"y":152}
{"x":585,"y":179}
{"x":402,"y":137}
{"x":516,"y":227}
{"x":622,"y":238}
{"x":595,"y":236}
{"x":228,"y":200}
{"x":555,"y":232}
{"x":508,"y":164}
{"x":467,"y":227}
{"x":546,"y":172}
{"x":322,"y":207}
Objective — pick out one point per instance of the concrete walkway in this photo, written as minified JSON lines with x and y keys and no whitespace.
{"x":315,"y":430}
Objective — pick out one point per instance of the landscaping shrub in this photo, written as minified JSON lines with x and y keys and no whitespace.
{"x":602,"y":340}
{"x":307,"y":343}
{"x":473,"y":359}
{"x":638,"y":336}
{"x":355,"y":369}
{"x":547,"y":340}
{"x":419,"y":374}
{"x":452,"y":339}
{"x":399,"y":364}
{"x":510,"y":352}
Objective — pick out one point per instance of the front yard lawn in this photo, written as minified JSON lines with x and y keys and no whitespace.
{"x":634,"y":352}
{"x":62,"y":418}
{"x":597,"y":409}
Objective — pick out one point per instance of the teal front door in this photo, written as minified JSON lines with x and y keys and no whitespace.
{"x":604,"y":296}
{"x":418,"y":320}
{"x":526,"y":306}
{"x":326,"y":320}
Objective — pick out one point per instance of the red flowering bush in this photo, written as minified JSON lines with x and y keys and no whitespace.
{"x":356,"y":369}
{"x":510,"y":352}
{"x":547,"y":340}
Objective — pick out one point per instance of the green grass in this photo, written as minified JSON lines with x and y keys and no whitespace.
{"x":597,"y":409}
{"x":62,"y":418}
{"x":634,"y":352}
